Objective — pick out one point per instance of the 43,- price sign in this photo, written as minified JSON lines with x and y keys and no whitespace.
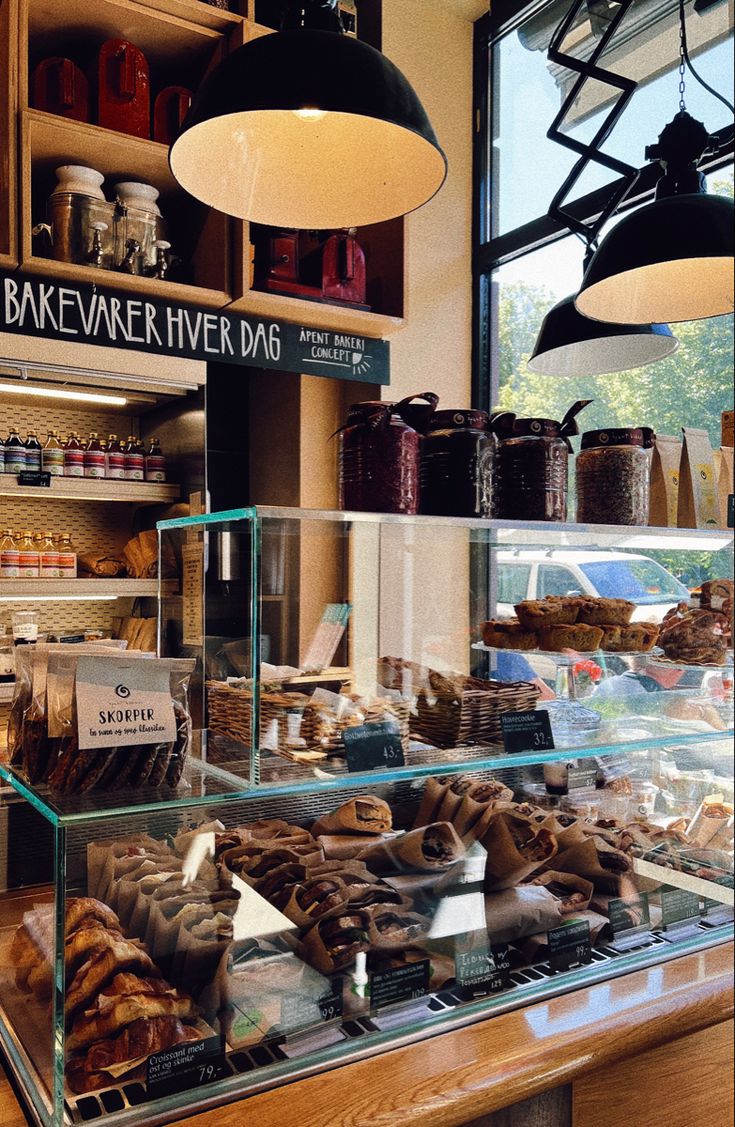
{"x":373,"y":746}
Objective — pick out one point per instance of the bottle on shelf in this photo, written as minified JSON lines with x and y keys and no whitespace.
{"x":73,"y":456}
{"x":15,"y":453}
{"x":155,"y":463}
{"x":33,"y":452}
{"x":52,"y":455}
{"x":28,"y":552}
{"x":48,"y":557}
{"x":94,"y":457}
{"x":67,"y":557}
{"x":9,"y":556}
{"x":134,"y":459}
{"x":115,"y":458}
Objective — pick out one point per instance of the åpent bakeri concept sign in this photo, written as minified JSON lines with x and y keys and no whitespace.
{"x":90,"y":314}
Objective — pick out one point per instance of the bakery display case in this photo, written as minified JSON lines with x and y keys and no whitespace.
{"x":374,"y":837}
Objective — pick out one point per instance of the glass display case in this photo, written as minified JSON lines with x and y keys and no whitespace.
{"x":387,"y":825}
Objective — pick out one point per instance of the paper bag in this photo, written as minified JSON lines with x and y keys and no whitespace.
{"x":665,"y":461}
{"x":698,"y":504}
{"x":724,"y":477}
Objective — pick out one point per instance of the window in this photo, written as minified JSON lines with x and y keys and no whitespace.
{"x":524,"y":263}
{"x":556,"y":580}
{"x":642,"y":581}
{"x":513,"y":582}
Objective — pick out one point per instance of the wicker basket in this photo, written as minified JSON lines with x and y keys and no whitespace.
{"x":453,"y":709}
{"x":292,"y":721}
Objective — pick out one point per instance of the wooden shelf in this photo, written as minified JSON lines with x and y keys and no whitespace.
{"x":337,"y":318}
{"x":8,"y":132}
{"x":82,"y":588}
{"x":197,"y":12}
{"x":89,"y":489}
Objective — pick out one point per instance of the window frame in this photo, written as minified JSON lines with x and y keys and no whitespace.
{"x":490,"y":250}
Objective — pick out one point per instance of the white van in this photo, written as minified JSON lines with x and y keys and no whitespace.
{"x":613,"y":575}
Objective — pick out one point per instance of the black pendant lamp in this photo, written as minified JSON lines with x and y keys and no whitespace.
{"x":671,"y":260}
{"x":570,"y":344}
{"x":308,"y":128}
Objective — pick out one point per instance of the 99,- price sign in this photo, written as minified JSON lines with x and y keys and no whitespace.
{"x":570,"y":945}
{"x":527,"y":731}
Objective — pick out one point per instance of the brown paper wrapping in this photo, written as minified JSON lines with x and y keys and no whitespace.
{"x":362,"y":814}
{"x":345,"y":847}
{"x":451,"y":800}
{"x":586,"y":860}
{"x":433,"y":794}
{"x":515,"y":849}
{"x":698,"y":502}
{"x":467,"y":818}
{"x":723,"y":459}
{"x":392,"y":928}
{"x":572,"y":884}
{"x":412,"y":851}
{"x":514,"y":913}
{"x":198,"y":956}
{"x":665,"y":462}
{"x":305,"y":917}
{"x":98,"y":853}
{"x":316,"y":951}
{"x":100,"y":563}
{"x":711,"y":817}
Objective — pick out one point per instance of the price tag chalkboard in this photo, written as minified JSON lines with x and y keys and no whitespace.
{"x":399,"y":984}
{"x":373,"y":746}
{"x":34,"y":477}
{"x":677,"y":905}
{"x":527,"y":731}
{"x":629,"y":914}
{"x":300,"y":1012}
{"x":185,"y":1066}
{"x":582,"y":775}
{"x":478,"y":975}
{"x":570,"y":945}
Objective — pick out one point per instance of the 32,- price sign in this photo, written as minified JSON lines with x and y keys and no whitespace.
{"x":527,"y":731}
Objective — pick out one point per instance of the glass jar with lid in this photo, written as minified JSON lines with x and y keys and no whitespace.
{"x":458,"y":463}
{"x":533,"y":465}
{"x":380,"y":455}
{"x":613,"y":476}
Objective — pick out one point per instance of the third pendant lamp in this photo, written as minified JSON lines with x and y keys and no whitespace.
{"x":308,"y":128}
{"x":671,"y":260}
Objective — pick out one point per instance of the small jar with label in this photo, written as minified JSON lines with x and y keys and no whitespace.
{"x":134,"y":459}
{"x":9,"y":556}
{"x":52,"y":455}
{"x":48,"y":557}
{"x":15,"y":453}
{"x":155,"y":463}
{"x":25,"y":627}
{"x":115,"y":455}
{"x":67,"y":557}
{"x":7,"y":657}
{"x":73,"y":456}
{"x":28,"y":552}
{"x":533,"y":465}
{"x":613,"y":476}
{"x":94,"y":457}
{"x":33,"y":452}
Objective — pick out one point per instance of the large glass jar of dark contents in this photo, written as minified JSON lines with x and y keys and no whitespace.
{"x":380,"y":455}
{"x":613,"y":475}
{"x":533,"y":468}
{"x":458,"y":464}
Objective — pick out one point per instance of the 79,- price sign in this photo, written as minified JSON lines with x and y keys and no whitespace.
{"x":527,"y":731}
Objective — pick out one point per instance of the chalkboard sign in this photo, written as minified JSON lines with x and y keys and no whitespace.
{"x":91,"y":314}
{"x":185,"y":1066}
{"x":34,"y":477}
{"x":527,"y":731}
{"x":374,"y":746}
{"x":570,"y":945}
{"x":677,"y":905}
{"x":399,"y":984}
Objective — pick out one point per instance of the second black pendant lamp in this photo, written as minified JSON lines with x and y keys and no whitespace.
{"x":308,"y":128}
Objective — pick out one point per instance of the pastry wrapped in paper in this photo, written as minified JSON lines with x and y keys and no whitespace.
{"x":256,"y":860}
{"x":723,"y":839}
{"x":333,"y":943}
{"x":515,"y":849}
{"x":427,"y":849}
{"x":712,"y":816}
{"x":345,"y":847}
{"x":514,"y":913}
{"x":451,"y":800}
{"x":98,"y":853}
{"x":392,"y":927}
{"x":596,"y":861}
{"x":202,"y":945}
{"x":133,"y":898}
{"x":310,"y":901}
{"x":363,"y":814}
{"x":572,"y":891}
{"x":434,"y":790}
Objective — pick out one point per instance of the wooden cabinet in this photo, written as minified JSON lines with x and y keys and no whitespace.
{"x":8,"y":139}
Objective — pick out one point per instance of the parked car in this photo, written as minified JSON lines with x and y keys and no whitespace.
{"x":612,"y":575}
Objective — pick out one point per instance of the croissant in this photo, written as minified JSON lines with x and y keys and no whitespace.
{"x":141,"y":1038}
{"x":150,"y":998}
{"x":120,"y":954}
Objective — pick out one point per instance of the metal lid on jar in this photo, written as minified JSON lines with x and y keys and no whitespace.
{"x":461,"y":419}
{"x":642,"y":437}
{"x":536,"y":428}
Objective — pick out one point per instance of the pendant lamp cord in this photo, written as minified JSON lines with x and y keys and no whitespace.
{"x":685,"y":61}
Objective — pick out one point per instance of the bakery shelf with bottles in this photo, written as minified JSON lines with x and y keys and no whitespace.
{"x":76,"y":64}
{"x":384,"y":621}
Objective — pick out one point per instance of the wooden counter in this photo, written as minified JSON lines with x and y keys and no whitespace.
{"x":604,"y":1037}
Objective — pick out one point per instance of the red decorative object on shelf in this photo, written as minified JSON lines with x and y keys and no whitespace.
{"x":58,"y":86}
{"x":170,"y":109}
{"x":318,"y":266}
{"x":123,"y":91}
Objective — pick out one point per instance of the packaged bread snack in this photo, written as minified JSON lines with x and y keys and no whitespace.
{"x":597,"y":862}
{"x":573,"y":892}
{"x":426,"y":849}
{"x":515,"y":913}
{"x":698,"y":502}
{"x":333,"y":943}
{"x":515,"y":849}
{"x":711,"y":818}
{"x":363,"y":814}
{"x":432,"y":795}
